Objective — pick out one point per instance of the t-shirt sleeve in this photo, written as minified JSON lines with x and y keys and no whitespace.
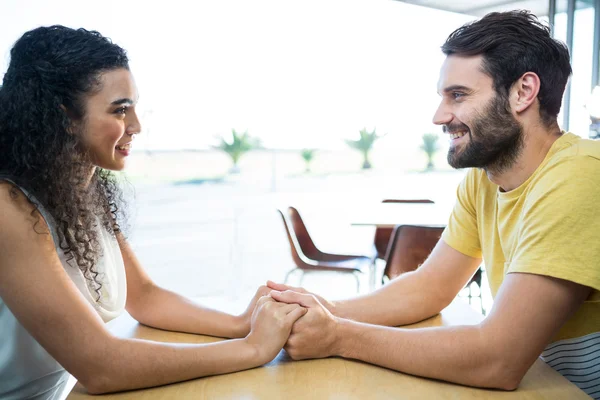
{"x":558,"y":235}
{"x":462,"y":233}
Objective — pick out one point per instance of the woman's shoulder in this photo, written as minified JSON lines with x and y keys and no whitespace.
{"x":18,"y":210}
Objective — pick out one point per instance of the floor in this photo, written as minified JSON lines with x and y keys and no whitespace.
{"x":220,"y":241}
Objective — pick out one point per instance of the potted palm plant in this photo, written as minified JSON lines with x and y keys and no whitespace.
{"x":238,"y":145}
{"x":430,"y":147}
{"x":364,"y":144}
{"x":308,"y":155}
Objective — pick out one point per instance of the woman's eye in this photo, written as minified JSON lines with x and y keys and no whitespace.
{"x":121,"y":110}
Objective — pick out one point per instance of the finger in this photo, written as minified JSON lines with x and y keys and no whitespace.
{"x":282,"y":287}
{"x":295,"y":314}
{"x":263,"y":300}
{"x":262,"y":291}
{"x":287,"y":308}
{"x":277,"y":286}
{"x":289,"y":296}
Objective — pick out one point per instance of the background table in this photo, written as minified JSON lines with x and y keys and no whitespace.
{"x":334,"y":378}
{"x":392,"y":214}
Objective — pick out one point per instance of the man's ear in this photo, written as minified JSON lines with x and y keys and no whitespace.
{"x":524,"y":91}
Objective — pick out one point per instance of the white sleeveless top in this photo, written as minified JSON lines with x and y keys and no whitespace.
{"x":27,"y":371}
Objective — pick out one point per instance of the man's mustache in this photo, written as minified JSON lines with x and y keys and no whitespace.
{"x":453,"y":128}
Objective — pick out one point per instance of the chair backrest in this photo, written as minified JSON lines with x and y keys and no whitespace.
{"x":297,"y":255}
{"x":307,"y":246}
{"x":383,"y":235}
{"x":409,"y":247}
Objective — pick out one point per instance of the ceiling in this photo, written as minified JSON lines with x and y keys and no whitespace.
{"x":481,"y":7}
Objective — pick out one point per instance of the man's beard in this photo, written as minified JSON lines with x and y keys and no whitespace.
{"x":495,"y":142}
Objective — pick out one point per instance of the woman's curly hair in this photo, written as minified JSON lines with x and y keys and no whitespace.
{"x":52,"y":71}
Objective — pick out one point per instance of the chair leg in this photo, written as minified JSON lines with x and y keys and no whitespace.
{"x":301,"y":277}
{"x":285,"y":280}
{"x":481,"y":301}
{"x":470,"y":294}
{"x":357,"y":282}
{"x":372,"y":277}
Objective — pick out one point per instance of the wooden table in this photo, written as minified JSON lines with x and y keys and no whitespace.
{"x":334,"y":378}
{"x":388,"y":215}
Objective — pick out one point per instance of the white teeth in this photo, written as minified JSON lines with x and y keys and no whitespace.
{"x":124,"y":147}
{"x":457,"y":135}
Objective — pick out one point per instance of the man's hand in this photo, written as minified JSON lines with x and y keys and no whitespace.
{"x":314,"y":334}
{"x":244,"y":319}
{"x":280,"y":287}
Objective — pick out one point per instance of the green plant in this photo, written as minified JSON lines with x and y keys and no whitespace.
{"x":308,"y":155}
{"x":430,"y":147}
{"x":238,"y":146}
{"x":364,"y":145}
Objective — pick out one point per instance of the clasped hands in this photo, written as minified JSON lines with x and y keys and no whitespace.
{"x":290,"y":317}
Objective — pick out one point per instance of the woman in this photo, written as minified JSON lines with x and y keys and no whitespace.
{"x":68,"y":118}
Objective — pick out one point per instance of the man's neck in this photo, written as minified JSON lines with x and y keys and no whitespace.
{"x":536,"y":145}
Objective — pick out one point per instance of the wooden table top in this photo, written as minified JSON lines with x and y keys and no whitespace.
{"x":392,"y":214}
{"x":334,"y":378}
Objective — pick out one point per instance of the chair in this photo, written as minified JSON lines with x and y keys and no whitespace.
{"x":410,"y":246}
{"x":383,"y":234}
{"x":309,"y":258}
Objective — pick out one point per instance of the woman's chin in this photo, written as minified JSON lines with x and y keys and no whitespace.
{"x":115,"y":165}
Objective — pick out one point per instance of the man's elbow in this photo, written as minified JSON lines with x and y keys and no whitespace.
{"x":508,"y":383}
{"x":504,"y":375}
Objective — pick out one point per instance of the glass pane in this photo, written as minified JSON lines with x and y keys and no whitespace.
{"x":581,"y":61}
{"x":581,"y":81}
{"x":560,"y":33}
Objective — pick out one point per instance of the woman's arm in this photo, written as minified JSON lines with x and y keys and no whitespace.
{"x":37,"y":290}
{"x":160,"y":308}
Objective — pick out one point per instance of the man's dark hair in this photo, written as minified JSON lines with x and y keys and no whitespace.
{"x":511,"y":44}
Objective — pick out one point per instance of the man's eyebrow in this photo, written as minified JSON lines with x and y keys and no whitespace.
{"x":457,"y":87}
{"x":122,"y":101}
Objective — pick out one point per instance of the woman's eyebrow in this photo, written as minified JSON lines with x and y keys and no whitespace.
{"x":122,"y":101}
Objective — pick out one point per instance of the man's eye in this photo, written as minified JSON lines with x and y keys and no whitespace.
{"x":457,"y":95}
{"x":121,"y":110}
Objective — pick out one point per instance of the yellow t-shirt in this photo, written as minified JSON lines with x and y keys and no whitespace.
{"x":550,"y":225}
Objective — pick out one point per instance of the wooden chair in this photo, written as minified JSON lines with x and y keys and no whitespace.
{"x":410,"y":246}
{"x":309,"y":258}
{"x":383,"y":234}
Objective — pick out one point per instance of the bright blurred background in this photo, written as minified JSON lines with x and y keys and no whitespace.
{"x":302,"y":79}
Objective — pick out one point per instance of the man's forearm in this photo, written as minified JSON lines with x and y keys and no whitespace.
{"x":455,"y":354}
{"x":406,"y":300}
{"x":163,"y":309}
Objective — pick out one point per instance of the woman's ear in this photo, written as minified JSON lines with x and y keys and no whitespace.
{"x":71,"y":129}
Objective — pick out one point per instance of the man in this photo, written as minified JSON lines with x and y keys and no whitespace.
{"x":527,"y":208}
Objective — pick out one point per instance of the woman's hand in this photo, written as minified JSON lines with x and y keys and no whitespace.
{"x":271,"y":325}
{"x":245,"y":318}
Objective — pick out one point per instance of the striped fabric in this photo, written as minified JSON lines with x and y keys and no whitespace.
{"x":578,"y":360}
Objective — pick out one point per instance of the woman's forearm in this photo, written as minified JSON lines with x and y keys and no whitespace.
{"x":163,"y":309}
{"x":144,"y":363}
